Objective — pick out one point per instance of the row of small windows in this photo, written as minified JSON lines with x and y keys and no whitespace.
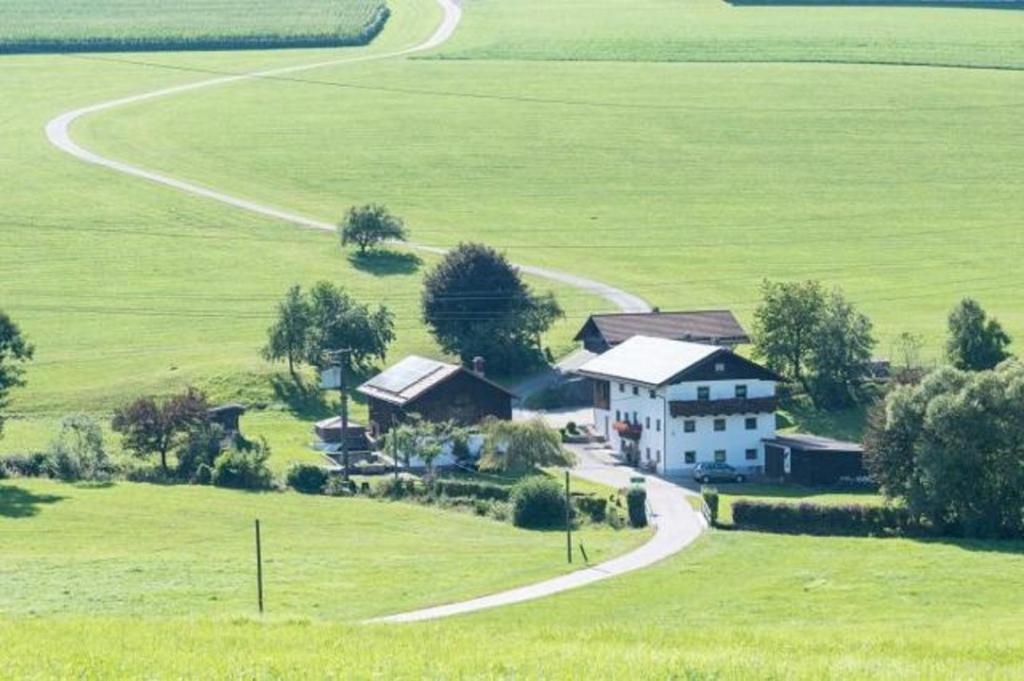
{"x":720,"y":456}
{"x":749,"y":423}
{"x":703,"y":392}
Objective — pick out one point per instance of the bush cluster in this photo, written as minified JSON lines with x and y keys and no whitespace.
{"x":595,"y":508}
{"x":636,"y":504}
{"x":538,"y":502}
{"x":710,"y":496}
{"x":307,"y":478}
{"x":807,"y":518}
{"x":244,"y":469}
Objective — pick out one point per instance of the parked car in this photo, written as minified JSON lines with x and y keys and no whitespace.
{"x":711,"y":471}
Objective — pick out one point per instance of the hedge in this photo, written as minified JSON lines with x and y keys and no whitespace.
{"x":470,"y":488}
{"x":851,"y":520}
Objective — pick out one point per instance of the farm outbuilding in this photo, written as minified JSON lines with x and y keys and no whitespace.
{"x":435,"y":391}
{"x":601,"y":332}
{"x":811,"y":460}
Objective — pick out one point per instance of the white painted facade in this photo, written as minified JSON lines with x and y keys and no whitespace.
{"x":665,"y":442}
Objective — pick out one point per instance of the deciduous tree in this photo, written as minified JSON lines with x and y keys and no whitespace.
{"x":369,"y":225}
{"x":15,"y":351}
{"x":476,"y":303}
{"x":339,"y":322}
{"x":784,"y":326}
{"x":840,"y":352}
{"x":150,"y":426}
{"x":975,"y":342}
{"x":519,"y":446}
{"x":288,"y":337}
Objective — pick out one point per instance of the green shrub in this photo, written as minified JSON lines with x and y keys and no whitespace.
{"x":595,"y":508}
{"x":615,"y":518}
{"x":396,"y":489}
{"x":24,"y":465}
{"x":710,"y":496}
{"x":538,"y":502}
{"x":204,"y":475}
{"x":244,"y":469}
{"x":636,"y":501}
{"x":472,"y":488}
{"x":202,"y":445}
{"x":306,"y":478}
{"x":338,"y":486}
{"x":78,"y":453}
{"x":818,"y":519}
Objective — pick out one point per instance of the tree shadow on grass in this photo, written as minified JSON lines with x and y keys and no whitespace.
{"x":959,"y":4}
{"x":386,"y":263}
{"x":16,"y":502}
{"x":305,"y":400}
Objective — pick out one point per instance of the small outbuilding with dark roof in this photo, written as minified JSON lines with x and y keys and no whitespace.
{"x":602,"y":332}
{"x":436,"y":391}
{"x":812,"y":460}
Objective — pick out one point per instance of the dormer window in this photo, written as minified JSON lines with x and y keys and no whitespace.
{"x":703,"y":392}
{"x":719,"y":367}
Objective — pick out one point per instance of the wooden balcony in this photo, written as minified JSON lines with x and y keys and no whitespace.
{"x":728,"y":407}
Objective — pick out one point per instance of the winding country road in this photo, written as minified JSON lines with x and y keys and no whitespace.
{"x":58,"y":132}
{"x":676,"y":523}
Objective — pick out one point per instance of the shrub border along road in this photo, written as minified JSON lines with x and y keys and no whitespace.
{"x":265,"y":41}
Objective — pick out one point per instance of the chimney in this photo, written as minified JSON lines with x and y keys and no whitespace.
{"x":478,"y":366}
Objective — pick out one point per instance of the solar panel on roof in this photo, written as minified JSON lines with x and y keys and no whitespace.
{"x":410,"y":370}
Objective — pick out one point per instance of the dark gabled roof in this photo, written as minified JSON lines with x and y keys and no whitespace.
{"x":413,"y":377}
{"x":737,"y":367}
{"x":708,"y":326}
{"x":814,"y":443}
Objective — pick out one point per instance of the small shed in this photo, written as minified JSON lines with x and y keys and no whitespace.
{"x":436,"y":391}
{"x":227,"y":416}
{"x":811,"y":460}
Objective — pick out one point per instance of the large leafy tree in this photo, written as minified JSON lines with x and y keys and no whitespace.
{"x":338,"y":322}
{"x":784,"y":326}
{"x":369,"y":225}
{"x":952,"y":448}
{"x":522,"y":446}
{"x":840,"y":352}
{"x":975,"y":342}
{"x":476,"y":303}
{"x":814,"y":337}
{"x":15,"y":351}
{"x":287,"y":338}
{"x":151,"y":426}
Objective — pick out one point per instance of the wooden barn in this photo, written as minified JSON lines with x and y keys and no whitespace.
{"x":602,"y":332}
{"x":436,"y":391}
{"x":811,"y":460}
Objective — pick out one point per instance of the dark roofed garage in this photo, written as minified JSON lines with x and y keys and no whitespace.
{"x":811,"y":460}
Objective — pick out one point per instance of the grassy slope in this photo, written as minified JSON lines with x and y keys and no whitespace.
{"x":187,"y":551}
{"x":185,"y":22}
{"x":126,"y":287}
{"x":685,"y":182}
{"x":737,"y":605}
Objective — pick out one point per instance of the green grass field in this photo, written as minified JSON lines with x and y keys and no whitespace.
{"x":134,"y":549}
{"x":682,"y":150}
{"x":117,"y":25}
{"x":789,"y":494}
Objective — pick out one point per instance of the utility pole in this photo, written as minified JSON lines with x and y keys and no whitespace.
{"x":568,"y":520}
{"x":259,"y":568}
{"x":339,"y":359}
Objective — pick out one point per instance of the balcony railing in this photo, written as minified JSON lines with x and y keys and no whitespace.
{"x":727,"y":407}
{"x":630,"y":431}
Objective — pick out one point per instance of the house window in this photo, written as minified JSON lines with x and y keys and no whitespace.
{"x":703,"y":392}
{"x":719,"y":367}
{"x":690,"y":457}
{"x":636,"y":390}
{"x":751,"y":455}
{"x":647,"y":422}
{"x":751,"y":423}
{"x":719,"y":425}
{"x":636,"y":419}
{"x":719,"y":456}
{"x":657,"y":456}
{"x":622,"y":387}
{"x":648,"y":453}
{"x":689,"y":426}
{"x":741,"y":392}
{"x":657,"y":425}
{"x":618,"y":415}
{"x":654,"y":395}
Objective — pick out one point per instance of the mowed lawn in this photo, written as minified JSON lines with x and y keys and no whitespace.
{"x":147,"y":551}
{"x":685,"y":182}
{"x":49,"y":25}
{"x":126,"y":288}
{"x":736,"y":605}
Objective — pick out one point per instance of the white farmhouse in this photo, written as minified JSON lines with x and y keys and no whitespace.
{"x":670,"y":404}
